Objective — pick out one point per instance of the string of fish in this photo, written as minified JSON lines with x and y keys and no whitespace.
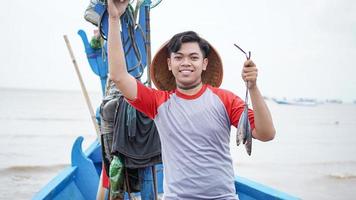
{"x":244,"y":132}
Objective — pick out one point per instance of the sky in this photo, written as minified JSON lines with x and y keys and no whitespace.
{"x":301,"y":48}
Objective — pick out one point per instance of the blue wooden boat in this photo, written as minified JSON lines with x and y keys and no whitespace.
{"x":80,"y":180}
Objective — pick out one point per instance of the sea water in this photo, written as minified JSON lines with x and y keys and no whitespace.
{"x":313,"y":155}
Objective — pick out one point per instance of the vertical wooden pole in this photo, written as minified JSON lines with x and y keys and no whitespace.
{"x":84,"y":90}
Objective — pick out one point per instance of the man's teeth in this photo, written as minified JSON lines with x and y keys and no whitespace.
{"x":186,"y":72}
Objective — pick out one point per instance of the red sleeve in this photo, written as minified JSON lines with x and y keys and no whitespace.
{"x":148,"y":100}
{"x":234,"y":106}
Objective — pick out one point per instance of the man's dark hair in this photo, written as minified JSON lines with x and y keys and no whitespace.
{"x":177,"y":40}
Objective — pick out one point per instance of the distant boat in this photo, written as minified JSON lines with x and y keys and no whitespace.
{"x":297,"y":102}
{"x":333,"y":101}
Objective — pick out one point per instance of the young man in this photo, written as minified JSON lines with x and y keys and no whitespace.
{"x":192,"y":114}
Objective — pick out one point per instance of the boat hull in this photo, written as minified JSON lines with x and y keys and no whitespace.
{"x":80,"y":180}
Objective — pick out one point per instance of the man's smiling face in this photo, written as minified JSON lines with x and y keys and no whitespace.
{"x":187,"y":65}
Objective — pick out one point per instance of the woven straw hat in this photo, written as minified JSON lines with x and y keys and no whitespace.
{"x":164,"y":79}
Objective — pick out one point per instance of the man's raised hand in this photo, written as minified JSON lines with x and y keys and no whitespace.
{"x":117,"y":7}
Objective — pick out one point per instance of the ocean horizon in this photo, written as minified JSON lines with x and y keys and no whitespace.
{"x":311,"y":157}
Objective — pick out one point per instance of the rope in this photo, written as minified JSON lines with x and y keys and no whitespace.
{"x":248,"y":56}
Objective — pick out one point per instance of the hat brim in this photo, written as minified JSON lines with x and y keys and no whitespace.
{"x":163,"y":78}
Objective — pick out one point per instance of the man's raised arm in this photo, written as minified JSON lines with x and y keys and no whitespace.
{"x":117,"y":65}
{"x":264,"y":128}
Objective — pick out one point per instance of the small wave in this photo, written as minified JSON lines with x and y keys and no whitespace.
{"x":342,"y":176}
{"x":32,"y":136}
{"x":33,"y":168}
{"x":41,"y":119}
{"x":325,"y":163}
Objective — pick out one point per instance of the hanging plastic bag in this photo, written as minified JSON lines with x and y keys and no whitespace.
{"x":116,"y":174}
{"x":96,"y":41}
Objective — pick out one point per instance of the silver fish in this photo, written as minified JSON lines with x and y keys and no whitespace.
{"x":244,"y":132}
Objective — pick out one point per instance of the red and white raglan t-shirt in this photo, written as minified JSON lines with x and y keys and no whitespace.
{"x":195,"y":137}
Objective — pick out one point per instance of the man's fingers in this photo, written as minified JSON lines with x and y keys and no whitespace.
{"x":249,"y":72}
{"x":249,"y":76}
{"x":249,"y":63}
{"x":249,"y":69}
